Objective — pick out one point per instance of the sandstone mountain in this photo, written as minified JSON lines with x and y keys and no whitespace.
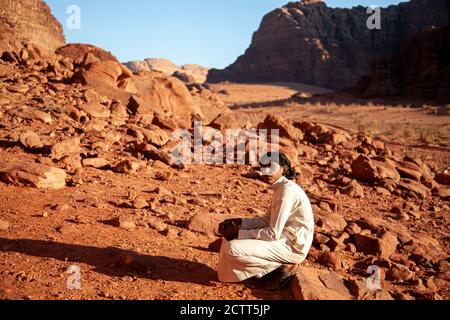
{"x":196,"y":72}
{"x":420,"y":69}
{"x":312,"y":43}
{"x":31,"y":21}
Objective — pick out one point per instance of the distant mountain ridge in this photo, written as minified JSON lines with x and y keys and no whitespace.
{"x":311,"y":43}
{"x":198,"y":72}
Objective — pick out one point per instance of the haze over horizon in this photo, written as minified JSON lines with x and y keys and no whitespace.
{"x":211,"y":34}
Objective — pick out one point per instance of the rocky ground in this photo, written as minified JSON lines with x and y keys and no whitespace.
{"x":86,"y":180}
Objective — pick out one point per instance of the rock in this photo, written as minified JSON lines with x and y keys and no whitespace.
{"x":382,"y":247}
{"x":207,"y":223}
{"x":30,"y":140}
{"x":370,"y":170}
{"x":308,"y":42}
{"x":286,"y":129}
{"x":4,"y":225}
{"x":399,"y":273}
{"x":66,"y":148}
{"x":354,"y":190}
{"x":353,"y":228}
{"x":183,"y":76}
{"x":140,"y":203}
{"x":314,"y":284}
{"x":409,"y":170}
{"x":139,"y":106}
{"x":151,"y":134}
{"x":331,"y":260}
{"x":331,"y":222}
{"x":406,"y":64}
{"x":127,"y":167}
{"x":98,"y":163}
{"x":320,"y":238}
{"x":164,"y":176}
{"x":96,"y":110}
{"x":415,"y":188}
{"x":30,"y":21}
{"x":57,"y":86}
{"x":32,"y":174}
{"x":123,"y":222}
{"x":360,"y":291}
{"x":19,"y":88}
{"x":37,"y":115}
{"x":443,"y":178}
{"x":194,"y":72}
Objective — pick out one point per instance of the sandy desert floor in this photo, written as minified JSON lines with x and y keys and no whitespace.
{"x":51,"y":230}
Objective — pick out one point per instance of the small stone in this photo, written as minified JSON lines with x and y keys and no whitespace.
{"x":127,"y":167}
{"x":140,"y":203}
{"x":163,"y":176}
{"x":30,"y":140}
{"x":4,"y":225}
{"x":123,"y":222}
{"x":97,"y":163}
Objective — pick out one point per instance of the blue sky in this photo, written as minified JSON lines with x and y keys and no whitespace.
{"x":208,"y":32}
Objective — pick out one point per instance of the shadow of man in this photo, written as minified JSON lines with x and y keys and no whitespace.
{"x":116,"y":262}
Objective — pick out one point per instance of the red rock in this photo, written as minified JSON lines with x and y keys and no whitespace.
{"x":32,"y":174}
{"x":30,"y":21}
{"x":31,"y":140}
{"x":65,"y":148}
{"x":330,"y":222}
{"x":369,"y":170}
{"x":127,"y":167}
{"x":207,"y":223}
{"x":416,"y":188}
{"x":314,"y":284}
{"x":301,"y":47}
{"x":286,"y":129}
{"x":443,"y":178}
{"x":123,"y":222}
{"x":96,"y":110}
{"x":98,"y":163}
{"x":382,"y":247}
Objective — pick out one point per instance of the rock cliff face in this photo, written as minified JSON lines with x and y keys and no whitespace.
{"x":420,"y":69}
{"x":331,"y":47}
{"x":30,"y":21}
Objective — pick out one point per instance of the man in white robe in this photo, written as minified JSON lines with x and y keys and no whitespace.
{"x":275,"y":244}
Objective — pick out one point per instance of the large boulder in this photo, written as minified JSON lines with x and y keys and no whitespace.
{"x":32,"y":174}
{"x":314,"y":284}
{"x":382,"y":247}
{"x":286,"y":129}
{"x":371,"y":170}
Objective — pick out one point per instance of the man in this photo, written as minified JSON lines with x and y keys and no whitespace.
{"x":275,"y":244}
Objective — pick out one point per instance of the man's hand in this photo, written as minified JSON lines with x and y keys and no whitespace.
{"x":230,"y":229}
{"x":229,"y":222}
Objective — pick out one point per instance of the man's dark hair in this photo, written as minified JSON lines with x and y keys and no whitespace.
{"x":281,"y":159}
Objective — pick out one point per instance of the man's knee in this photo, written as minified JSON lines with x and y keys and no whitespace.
{"x":234,"y":248}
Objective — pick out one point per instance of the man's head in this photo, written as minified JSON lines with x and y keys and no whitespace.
{"x":274,"y":165}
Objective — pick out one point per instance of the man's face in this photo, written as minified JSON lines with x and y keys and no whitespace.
{"x":271,"y":172}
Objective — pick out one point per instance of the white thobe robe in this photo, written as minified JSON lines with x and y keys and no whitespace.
{"x":283,"y":236}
